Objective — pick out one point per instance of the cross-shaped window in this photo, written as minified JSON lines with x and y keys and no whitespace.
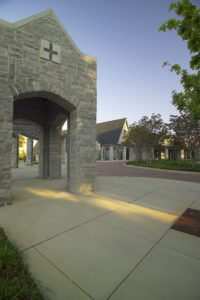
{"x":50,"y":51}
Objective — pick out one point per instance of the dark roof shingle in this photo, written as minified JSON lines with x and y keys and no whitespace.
{"x":109,"y":132}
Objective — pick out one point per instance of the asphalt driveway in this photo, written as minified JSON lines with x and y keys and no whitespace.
{"x":119,"y":168}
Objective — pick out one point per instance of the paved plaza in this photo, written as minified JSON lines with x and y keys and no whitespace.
{"x":114,"y":244}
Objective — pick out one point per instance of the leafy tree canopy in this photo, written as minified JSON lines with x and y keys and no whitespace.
{"x":146,"y":134}
{"x":185,"y":132}
{"x":188,"y":27}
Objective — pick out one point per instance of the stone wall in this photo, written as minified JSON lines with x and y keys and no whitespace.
{"x":71,"y":84}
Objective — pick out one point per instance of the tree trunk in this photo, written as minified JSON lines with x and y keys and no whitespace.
{"x":193,"y":159}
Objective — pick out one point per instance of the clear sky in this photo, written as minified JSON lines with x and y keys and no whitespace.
{"x":123,"y":36}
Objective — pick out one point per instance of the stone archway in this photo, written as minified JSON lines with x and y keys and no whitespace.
{"x":50,"y":116}
{"x":48,"y":88}
{"x":31,"y":131}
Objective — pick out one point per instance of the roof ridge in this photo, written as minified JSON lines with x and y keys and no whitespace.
{"x":112,"y":121}
{"x":37,"y":16}
{"x":34,"y":17}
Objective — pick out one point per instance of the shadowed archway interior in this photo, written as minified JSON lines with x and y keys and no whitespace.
{"x":50,"y":116}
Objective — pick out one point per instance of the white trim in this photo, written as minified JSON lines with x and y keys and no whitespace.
{"x":122,"y":132}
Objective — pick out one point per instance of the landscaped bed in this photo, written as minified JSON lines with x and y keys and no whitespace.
{"x":15,"y":280}
{"x":180,"y":165}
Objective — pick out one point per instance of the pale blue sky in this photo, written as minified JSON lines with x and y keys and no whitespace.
{"x":123,"y":36}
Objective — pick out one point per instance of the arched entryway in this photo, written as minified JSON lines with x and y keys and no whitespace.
{"x":47,"y":89}
{"x":49,"y":116}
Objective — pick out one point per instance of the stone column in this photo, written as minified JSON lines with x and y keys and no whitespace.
{"x":63,"y":149}
{"x":29,"y":152}
{"x":14,"y":157}
{"x":6,"y":103}
{"x":44,"y":153}
{"x":124,"y":153}
{"x":50,"y":152}
{"x":66,"y":154}
{"x":166,"y":153}
{"x":54,"y":152}
{"x":82,"y":149}
{"x":111,"y":153}
{"x":102,"y":153}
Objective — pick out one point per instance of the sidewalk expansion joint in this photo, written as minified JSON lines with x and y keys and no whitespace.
{"x":136,"y":266}
{"x":149,"y":193}
{"x":64,"y":274}
{"x":68,"y":230}
{"x":142,"y":259}
{"x":180,"y":252}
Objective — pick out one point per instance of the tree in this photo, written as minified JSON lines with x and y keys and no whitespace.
{"x":135,"y":138}
{"x":145,"y":135}
{"x":185,"y":132}
{"x":188,"y":28}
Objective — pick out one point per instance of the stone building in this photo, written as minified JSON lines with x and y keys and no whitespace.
{"x":44,"y":80}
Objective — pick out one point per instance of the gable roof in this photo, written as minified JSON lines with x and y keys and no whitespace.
{"x":48,"y":12}
{"x":109,"y":132}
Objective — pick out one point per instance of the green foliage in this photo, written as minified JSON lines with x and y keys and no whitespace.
{"x":185,"y":131}
{"x":190,"y":98}
{"x":136,"y":137}
{"x":181,"y":165}
{"x":15,"y":282}
{"x":145,"y":135}
{"x":188,"y":28}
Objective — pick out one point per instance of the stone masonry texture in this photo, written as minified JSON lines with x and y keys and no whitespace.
{"x":46,"y":92}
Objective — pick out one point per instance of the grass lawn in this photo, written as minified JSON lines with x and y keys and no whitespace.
{"x":181,"y":165}
{"x":15,"y":280}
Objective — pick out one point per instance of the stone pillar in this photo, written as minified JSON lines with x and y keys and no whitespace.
{"x":166,"y":153}
{"x":14,"y":155}
{"x":124,"y":153}
{"x":82,"y":149}
{"x":66,"y":154}
{"x":102,"y":153}
{"x":111,"y":153}
{"x":29,"y":152}
{"x":44,"y":153}
{"x":54,"y":152}
{"x":6,"y":103}
{"x":50,"y":152}
{"x":98,"y":151}
{"x":63,"y":149}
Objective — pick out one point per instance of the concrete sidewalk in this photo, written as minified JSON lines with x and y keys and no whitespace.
{"x":114,"y":244}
